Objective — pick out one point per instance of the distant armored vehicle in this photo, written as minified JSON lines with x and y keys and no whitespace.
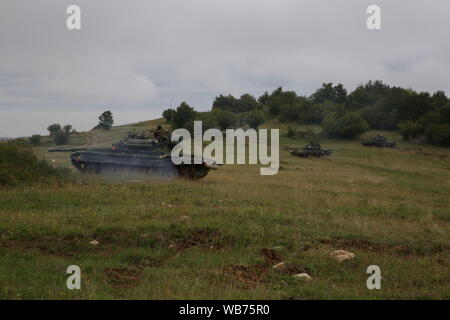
{"x":137,"y":154}
{"x":378,"y":141}
{"x":311,"y":150}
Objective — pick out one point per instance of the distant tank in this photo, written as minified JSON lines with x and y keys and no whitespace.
{"x":378,"y":141}
{"x":137,"y":154}
{"x":311,"y":150}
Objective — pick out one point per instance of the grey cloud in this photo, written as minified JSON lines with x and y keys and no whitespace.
{"x":140,"y":57}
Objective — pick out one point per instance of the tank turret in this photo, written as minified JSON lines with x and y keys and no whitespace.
{"x":378,"y":141}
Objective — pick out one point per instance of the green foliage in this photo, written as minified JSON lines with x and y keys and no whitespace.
{"x":229,"y":103}
{"x":208,"y":120}
{"x":328,"y":92}
{"x":409,"y":129}
{"x":280,"y":98}
{"x":379,"y":106}
{"x":19,"y":165}
{"x":61,"y":137}
{"x":35,"y":140}
{"x":438,"y":134}
{"x":105,"y":120}
{"x":54,"y":129}
{"x":348,"y":126}
{"x":168,"y":115}
{"x":67,"y":129}
{"x":225,"y":119}
{"x":290,"y":132}
{"x":366,"y":95}
{"x":253,"y":118}
{"x":183,"y":117}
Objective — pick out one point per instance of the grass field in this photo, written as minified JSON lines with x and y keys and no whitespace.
{"x":218,"y":238}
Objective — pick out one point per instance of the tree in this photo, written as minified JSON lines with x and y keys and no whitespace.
{"x":67,"y":129}
{"x":348,"y":126}
{"x":224,"y":102}
{"x":183,"y":117}
{"x":54,"y":129}
{"x":254,"y":118}
{"x":328,"y":92}
{"x":229,"y":103}
{"x":438,"y":134}
{"x":225,"y":119}
{"x":35,"y":140}
{"x":366,"y":95}
{"x":208,"y":120}
{"x":61,"y":138}
{"x":409,"y":129}
{"x":290,"y":113}
{"x":280,"y":98}
{"x":105,"y":120}
{"x":168,"y":115}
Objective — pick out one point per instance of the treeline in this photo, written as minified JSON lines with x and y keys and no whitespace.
{"x":373,"y":105}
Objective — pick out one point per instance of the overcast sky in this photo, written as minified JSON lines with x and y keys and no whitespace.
{"x":138,"y":57}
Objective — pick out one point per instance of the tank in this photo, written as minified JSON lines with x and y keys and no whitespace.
{"x":378,"y":141}
{"x":311,"y":150}
{"x":137,"y":155}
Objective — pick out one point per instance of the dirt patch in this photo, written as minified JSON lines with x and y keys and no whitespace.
{"x":66,"y":246}
{"x":271,"y":256}
{"x":123,"y":277}
{"x":258,"y":273}
{"x":293,"y":269}
{"x":205,"y":238}
{"x":249,"y":275}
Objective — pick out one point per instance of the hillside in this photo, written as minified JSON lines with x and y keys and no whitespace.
{"x":219,"y":237}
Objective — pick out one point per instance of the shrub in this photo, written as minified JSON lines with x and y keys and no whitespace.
{"x":438,"y":134}
{"x":291,"y":132}
{"x":409,"y":129}
{"x":19,"y":165}
{"x":61,"y":137}
{"x":348,"y":126}
{"x":225,"y":119}
{"x":35,"y":140}
{"x":254,"y":118}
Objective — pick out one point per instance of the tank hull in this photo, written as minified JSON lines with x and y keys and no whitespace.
{"x":379,"y":144}
{"x":302,"y":153}
{"x":156,"y":164}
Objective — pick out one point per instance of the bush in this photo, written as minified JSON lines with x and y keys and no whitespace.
{"x":225,"y":119}
{"x":409,"y":129}
{"x":61,"y":138}
{"x":438,"y":134}
{"x":348,"y":126}
{"x":54,"y":128}
{"x":291,"y":132}
{"x":19,"y":165}
{"x":254,"y":118}
{"x":168,"y":115}
{"x":35,"y":140}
